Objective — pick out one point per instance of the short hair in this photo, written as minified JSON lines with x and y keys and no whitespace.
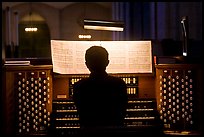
{"x":96,"y":52}
{"x":96,"y":57}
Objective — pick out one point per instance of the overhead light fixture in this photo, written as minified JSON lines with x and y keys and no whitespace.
{"x":31,"y":28}
{"x":103,"y":25}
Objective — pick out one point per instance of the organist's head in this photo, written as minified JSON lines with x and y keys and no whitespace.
{"x":96,"y":58}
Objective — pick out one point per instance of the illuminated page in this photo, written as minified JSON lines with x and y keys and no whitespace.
{"x":129,"y":56}
{"x":68,"y":57}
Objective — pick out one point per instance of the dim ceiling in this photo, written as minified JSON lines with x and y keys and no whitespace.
{"x":58,"y":5}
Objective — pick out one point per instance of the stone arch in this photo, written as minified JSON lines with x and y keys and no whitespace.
{"x":50,"y":14}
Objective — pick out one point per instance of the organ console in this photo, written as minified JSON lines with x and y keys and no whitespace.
{"x":37,"y":101}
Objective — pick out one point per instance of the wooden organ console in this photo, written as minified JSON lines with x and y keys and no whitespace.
{"x":140,"y":113}
{"x":37,"y":101}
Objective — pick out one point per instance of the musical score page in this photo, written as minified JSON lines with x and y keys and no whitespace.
{"x":68,"y":57}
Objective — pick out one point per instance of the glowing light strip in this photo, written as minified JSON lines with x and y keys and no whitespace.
{"x":140,"y":118}
{"x":103,"y":28}
{"x":67,"y":119}
{"x":139,"y":109}
{"x":81,"y":36}
{"x":66,"y":110}
{"x":134,"y":101}
{"x":67,"y":127}
{"x":31,"y":29}
{"x":103,"y":25}
{"x":63,"y":102}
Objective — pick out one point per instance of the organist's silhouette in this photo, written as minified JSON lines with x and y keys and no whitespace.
{"x":101,"y":99}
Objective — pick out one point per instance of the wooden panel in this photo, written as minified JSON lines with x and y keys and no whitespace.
{"x":146,"y":87}
{"x":27,"y":97}
{"x":9,"y":104}
{"x":178,"y":92}
{"x":60,"y":88}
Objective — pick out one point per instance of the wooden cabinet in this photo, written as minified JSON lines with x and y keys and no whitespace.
{"x":178,"y":92}
{"x":26,"y":99}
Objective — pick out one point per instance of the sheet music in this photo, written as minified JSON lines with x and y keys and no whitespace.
{"x":68,"y":57}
